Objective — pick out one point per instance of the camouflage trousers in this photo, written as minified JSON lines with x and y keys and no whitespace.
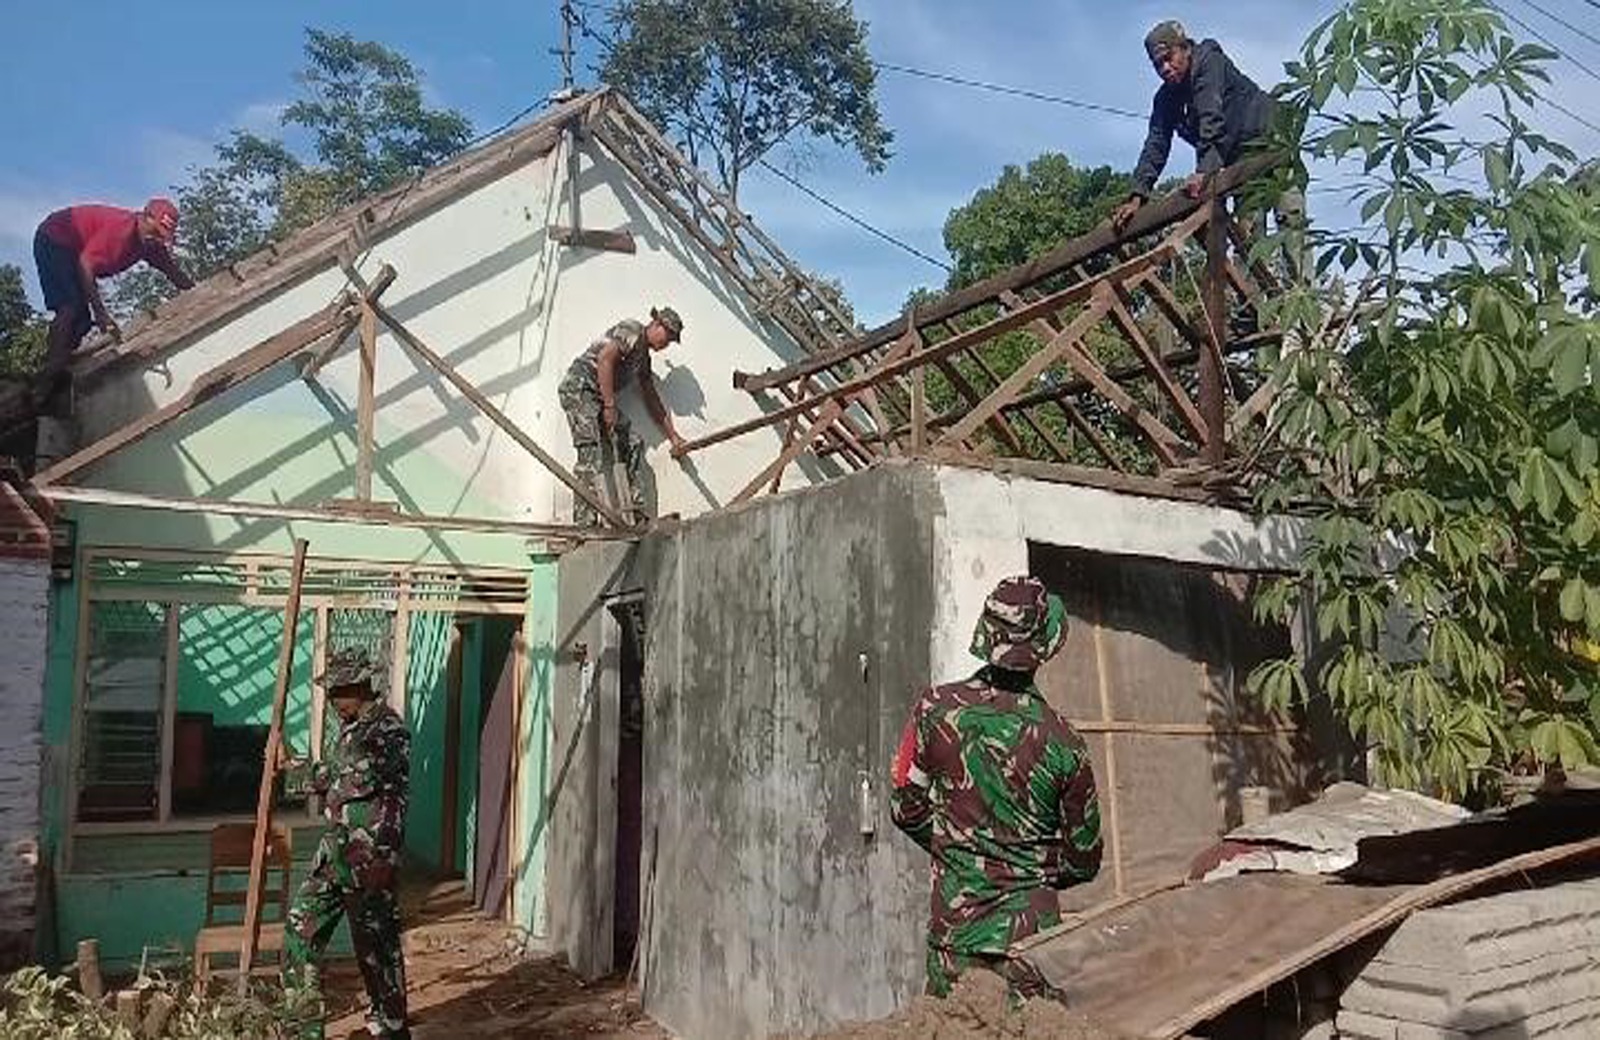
{"x":946,"y":965}
{"x":596,"y":451}
{"x":374,"y":918}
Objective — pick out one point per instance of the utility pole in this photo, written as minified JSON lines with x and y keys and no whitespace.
{"x":569,"y":21}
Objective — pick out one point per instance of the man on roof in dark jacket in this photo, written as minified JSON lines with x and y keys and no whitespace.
{"x":1205,"y":100}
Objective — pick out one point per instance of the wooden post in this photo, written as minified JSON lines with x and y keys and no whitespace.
{"x":365,"y":402}
{"x":919,"y":411}
{"x":128,"y":1008}
{"x":1216,"y":301}
{"x":269,"y":770}
{"x":162,"y":1005}
{"x":449,"y":825}
{"x":89,"y":980}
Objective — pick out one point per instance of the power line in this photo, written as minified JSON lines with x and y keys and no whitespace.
{"x":1055,"y":99}
{"x":1578,"y":30}
{"x":851,"y":217}
{"x":1541,"y":37}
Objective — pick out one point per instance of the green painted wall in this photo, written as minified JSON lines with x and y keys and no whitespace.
{"x":429,"y":637}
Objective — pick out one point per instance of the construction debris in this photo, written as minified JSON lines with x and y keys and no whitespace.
{"x":979,"y":1008}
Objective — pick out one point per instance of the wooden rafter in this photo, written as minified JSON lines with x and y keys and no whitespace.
{"x":336,"y":321}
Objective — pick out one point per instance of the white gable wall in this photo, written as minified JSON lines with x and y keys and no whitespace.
{"x":480,"y":282}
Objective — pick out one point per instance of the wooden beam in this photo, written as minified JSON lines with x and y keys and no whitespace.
{"x":1162,"y":440}
{"x":366,"y":401}
{"x":1047,"y":329}
{"x":499,"y":418}
{"x":313,"y":364}
{"x":1123,"y":318}
{"x":829,"y":412}
{"x":1167,"y":302}
{"x":335,"y":321}
{"x":1081,"y":476}
{"x":1150,"y":219}
{"x":1031,"y":369}
{"x":1212,"y":407}
{"x":1005,"y":323}
{"x":919,"y":411}
{"x":269,"y":770}
{"x":323,"y":515}
{"x":619,"y":240}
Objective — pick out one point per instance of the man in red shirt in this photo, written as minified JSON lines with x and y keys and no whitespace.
{"x":76,"y":246}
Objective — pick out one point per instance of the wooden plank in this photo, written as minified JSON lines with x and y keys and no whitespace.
{"x":496,"y":416}
{"x":619,"y":240}
{"x":1123,"y":318}
{"x":1034,"y":367}
{"x":269,"y":771}
{"x":272,"y":511}
{"x":219,"y":378}
{"x":319,"y":699}
{"x":1150,"y":219}
{"x":1391,"y":912}
{"x":930,"y":354}
{"x":1167,"y":302}
{"x":366,"y":402}
{"x":1082,"y":476}
{"x":1212,"y":406}
{"x":830,"y":411}
{"x":919,"y":411}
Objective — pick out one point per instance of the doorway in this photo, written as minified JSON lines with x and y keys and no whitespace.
{"x":625,"y":919}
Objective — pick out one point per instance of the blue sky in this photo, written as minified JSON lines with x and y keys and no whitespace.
{"x":152,"y":86}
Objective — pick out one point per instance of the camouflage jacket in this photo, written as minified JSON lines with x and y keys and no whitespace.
{"x":999,"y":788}
{"x":364,"y":784}
{"x":583,"y":375}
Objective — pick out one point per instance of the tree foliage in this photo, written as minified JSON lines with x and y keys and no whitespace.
{"x":733,"y":79}
{"x":367,"y":128}
{"x":22,"y":331}
{"x":1439,"y":429}
{"x":1027,"y":212}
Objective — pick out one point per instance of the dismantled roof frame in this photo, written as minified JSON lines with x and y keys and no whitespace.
{"x":1175,"y":405}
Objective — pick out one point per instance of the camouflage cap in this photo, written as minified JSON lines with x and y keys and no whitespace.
{"x":668,"y":317}
{"x":1163,"y":38}
{"x":349,"y":666}
{"x":1022,"y":626}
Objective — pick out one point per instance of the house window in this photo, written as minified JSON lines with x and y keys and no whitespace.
{"x":227,"y":672}
{"x":177,"y":703}
{"x":125,"y":676}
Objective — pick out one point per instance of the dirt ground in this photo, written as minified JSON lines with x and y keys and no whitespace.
{"x":467,"y":978}
{"x":977,"y":1010}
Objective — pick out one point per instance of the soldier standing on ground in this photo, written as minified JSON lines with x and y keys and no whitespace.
{"x":588,"y":395}
{"x":364,"y":785}
{"x":1000,"y":790}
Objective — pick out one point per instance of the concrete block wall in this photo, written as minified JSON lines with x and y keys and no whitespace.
{"x":24,"y":587}
{"x":1517,"y":966}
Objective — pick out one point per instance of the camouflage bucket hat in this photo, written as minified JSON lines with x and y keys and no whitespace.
{"x":1022,"y":626}
{"x":1163,"y":38}
{"x":350,"y":666}
{"x":668,"y":317}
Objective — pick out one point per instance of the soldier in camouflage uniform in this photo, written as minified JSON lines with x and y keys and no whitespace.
{"x":588,"y":395}
{"x":999,"y":788}
{"x":363,"y":785}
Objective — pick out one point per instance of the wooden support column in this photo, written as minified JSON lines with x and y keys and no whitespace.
{"x":366,"y":401}
{"x":1216,"y":300}
{"x":919,"y":411}
{"x":269,"y":770}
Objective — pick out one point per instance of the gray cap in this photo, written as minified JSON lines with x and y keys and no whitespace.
{"x":349,"y":666}
{"x":1164,"y":37}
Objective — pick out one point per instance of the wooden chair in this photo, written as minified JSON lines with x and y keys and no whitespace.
{"x":227,"y":879}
